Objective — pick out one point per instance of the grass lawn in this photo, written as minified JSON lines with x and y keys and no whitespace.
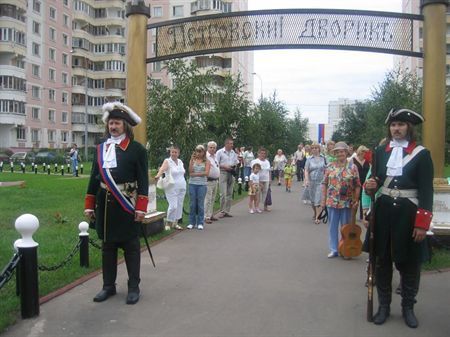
{"x":58,"y":202}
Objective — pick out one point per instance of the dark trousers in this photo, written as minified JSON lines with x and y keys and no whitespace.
{"x":300,"y":170}
{"x":132,"y":254}
{"x":409,"y":280}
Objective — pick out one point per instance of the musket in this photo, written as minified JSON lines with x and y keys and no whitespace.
{"x":371,"y":266}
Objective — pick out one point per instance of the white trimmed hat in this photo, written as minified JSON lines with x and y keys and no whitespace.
{"x":404,"y":115}
{"x":121,"y":111}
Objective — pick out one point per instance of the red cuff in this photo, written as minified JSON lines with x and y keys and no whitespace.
{"x":89,"y":201}
{"x":141,"y":203}
{"x":423,"y":219}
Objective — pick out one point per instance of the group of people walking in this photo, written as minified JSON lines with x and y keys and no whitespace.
{"x":401,"y":176}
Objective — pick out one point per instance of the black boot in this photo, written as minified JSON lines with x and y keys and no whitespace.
{"x":104,"y":294}
{"x":410,"y":317}
{"x":133,"y":295}
{"x":382,"y":315}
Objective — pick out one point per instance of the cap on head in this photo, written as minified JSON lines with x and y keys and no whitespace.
{"x":404,"y":115}
{"x":119,"y":111}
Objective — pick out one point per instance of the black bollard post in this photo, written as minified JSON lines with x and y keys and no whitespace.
{"x":35,"y":169}
{"x":56,"y":168}
{"x":22,"y":165}
{"x":44,"y":167}
{"x":27,"y":224}
{"x":81,"y":168}
{"x":62,"y":170}
{"x":12,"y":167}
{"x":1,"y":166}
{"x":84,"y":244}
{"x":48,"y":169}
{"x":68,"y":168}
{"x":246,"y":183}
{"x":240,"y":186}
{"x":76,"y":171}
{"x":32,"y":167}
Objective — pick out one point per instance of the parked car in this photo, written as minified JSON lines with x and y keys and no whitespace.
{"x":4,"y":157}
{"x":46,"y":157}
{"x":23,"y":157}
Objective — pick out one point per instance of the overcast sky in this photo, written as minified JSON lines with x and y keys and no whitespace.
{"x":309,"y":79}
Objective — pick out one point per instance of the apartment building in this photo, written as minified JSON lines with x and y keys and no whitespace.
{"x":414,"y":64}
{"x":335,"y":114}
{"x":61,"y":60}
{"x":224,"y":63}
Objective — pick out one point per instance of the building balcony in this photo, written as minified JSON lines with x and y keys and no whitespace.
{"x":9,"y":118}
{"x":6,"y":70}
{"x":92,"y":128}
{"x":22,"y":4}
{"x":15,"y":49}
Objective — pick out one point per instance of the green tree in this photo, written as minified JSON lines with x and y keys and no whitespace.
{"x":297,"y":131}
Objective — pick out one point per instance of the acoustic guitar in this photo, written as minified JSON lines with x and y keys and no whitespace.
{"x":350,"y":244}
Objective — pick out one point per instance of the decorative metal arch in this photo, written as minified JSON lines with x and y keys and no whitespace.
{"x":372,"y":31}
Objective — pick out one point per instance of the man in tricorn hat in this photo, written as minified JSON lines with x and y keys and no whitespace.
{"x":404,"y":174}
{"x":117,"y":197}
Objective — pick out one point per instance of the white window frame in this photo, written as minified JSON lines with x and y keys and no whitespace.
{"x":35,"y":113}
{"x":157,"y":11}
{"x":52,"y":115}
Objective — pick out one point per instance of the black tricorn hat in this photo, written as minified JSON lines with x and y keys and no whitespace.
{"x":404,"y":115}
{"x":120,"y":111}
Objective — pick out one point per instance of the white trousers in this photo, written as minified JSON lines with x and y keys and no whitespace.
{"x":175,"y":198}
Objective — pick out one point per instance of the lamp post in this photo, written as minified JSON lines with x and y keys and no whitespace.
{"x":85,"y":111}
{"x":260,"y":81}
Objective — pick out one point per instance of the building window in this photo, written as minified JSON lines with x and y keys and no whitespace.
{"x":66,"y":3}
{"x":37,"y":6}
{"x":51,"y":135}
{"x":36,"y":49}
{"x":51,"y":74}
{"x":36,"y":70}
{"x":177,"y":11}
{"x":34,"y":135}
{"x":52,"y":33}
{"x":64,"y":117}
{"x":64,"y":136}
{"x":65,"y":39}
{"x":51,"y":115}
{"x":65,"y":98}
{"x":65,"y":59}
{"x":36,"y":28}
{"x":157,"y":12}
{"x":51,"y":95}
{"x":64,"y":78}
{"x":21,"y":133}
{"x":36,"y":92}
{"x":51,"y":54}
{"x":52,"y":13}
{"x":35,"y":112}
{"x":156,"y":66}
{"x":66,"y":20}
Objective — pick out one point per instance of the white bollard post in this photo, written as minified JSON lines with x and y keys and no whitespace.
{"x":84,"y":244}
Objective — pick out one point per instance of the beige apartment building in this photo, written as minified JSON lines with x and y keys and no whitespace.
{"x":61,"y":60}
{"x":414,"y":64}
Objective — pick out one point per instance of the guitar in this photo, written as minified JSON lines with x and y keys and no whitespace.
{"x":350,"y":244}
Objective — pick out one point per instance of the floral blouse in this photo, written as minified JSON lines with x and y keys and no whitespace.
{"x":340,"y":183}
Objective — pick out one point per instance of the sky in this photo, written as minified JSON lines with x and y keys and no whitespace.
{"x":309,"y":79}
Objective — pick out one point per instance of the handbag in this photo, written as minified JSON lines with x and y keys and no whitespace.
{"x":268,"y":201}
{"x":166,"y":181}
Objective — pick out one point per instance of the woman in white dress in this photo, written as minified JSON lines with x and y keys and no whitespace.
{"x":174,"y":193}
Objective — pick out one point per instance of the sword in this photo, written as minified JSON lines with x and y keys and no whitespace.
{"x":148,"y":246}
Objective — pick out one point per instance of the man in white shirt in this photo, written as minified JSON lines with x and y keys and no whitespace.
{"x":227,"y":160}
{"x":213,"y":182}
{"x":299,"y":161}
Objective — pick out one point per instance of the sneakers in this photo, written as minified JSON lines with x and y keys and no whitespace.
{"x":258,"y":210}
{"x":200,"y":227}
{"x":332,"y":254}
{"x":251,"y":211}
{"x":190,"y":226}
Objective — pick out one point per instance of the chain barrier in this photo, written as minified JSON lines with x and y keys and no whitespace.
{"x":94,"y":244}
{"x":8,"y":271}
{"x":64,"y":262}
{"x":440,"y":243}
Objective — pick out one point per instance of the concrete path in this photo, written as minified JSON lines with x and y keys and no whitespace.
{"x":250,"y":275}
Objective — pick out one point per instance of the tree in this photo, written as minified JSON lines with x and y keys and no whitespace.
{"x":297,"y":131}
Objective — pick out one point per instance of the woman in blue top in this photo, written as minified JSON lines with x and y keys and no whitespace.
{"x":198,"y":171}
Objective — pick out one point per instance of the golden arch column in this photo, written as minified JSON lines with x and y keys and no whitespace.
{"x":434,"y":50}
{"x":138,"y":15}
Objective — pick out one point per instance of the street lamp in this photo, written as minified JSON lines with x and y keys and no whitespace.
{"x":260,"y":81}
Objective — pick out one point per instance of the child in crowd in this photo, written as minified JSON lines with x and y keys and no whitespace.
{"x":289,"y":171}
{"x":253,"y":190}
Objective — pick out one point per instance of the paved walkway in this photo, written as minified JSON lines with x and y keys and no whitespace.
{"x":250,"y":275}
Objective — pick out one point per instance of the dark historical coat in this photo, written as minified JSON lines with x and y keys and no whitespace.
{"x":112,"y":222}
{"x":395,"y":218}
